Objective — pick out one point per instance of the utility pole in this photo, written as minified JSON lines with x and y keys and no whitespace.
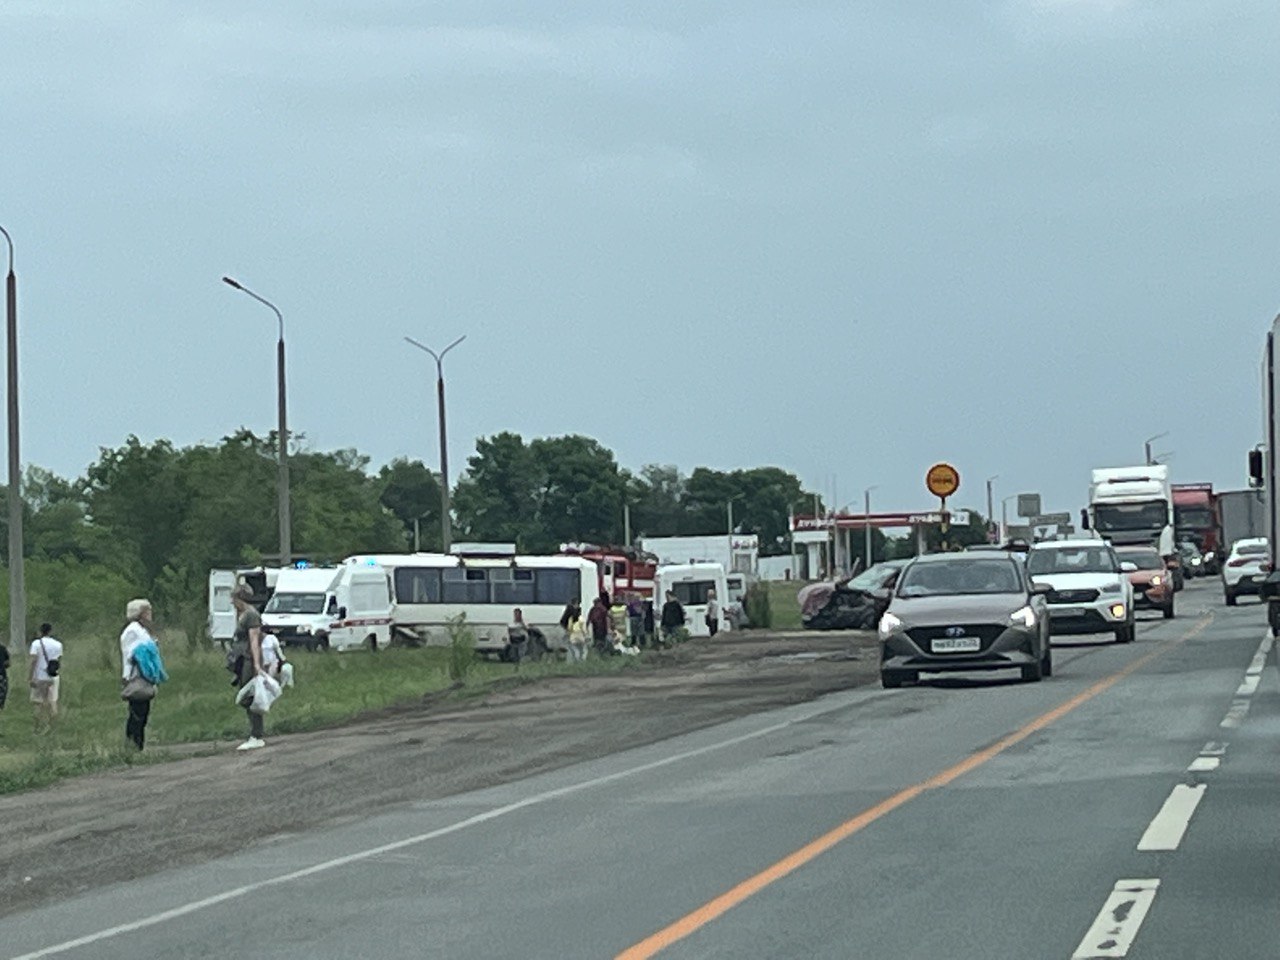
{"x":1146,"y":446}
{"x":17,"y":584}
{"x":626,"y":524}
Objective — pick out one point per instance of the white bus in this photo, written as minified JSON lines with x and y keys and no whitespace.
{"x":430,"y":589}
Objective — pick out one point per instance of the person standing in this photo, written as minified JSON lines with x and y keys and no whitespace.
{"x":246,"y":648}
{"x":649,"y":634}
{"x":136,"y":631}
{"x":44,"y":676}
{"x":713,"y":614}
{"x":575,"y":638}
{"x":672,"y":618}
{"x":517,"y":636}
{"x":599,"y":621}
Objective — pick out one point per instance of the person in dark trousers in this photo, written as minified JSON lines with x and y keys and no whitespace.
{"x":138,"y":629}
{"x":713,"y":613}
{"x":517,"y":636}
{"x":672,"y":618}
{"x":635,"y":619}
{"x":648,"y":636}
{"x":247,"y":649}
{"x":599,"y":622}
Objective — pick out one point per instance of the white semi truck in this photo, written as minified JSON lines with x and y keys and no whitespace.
{"x":1262,"y":473}
{"x":1133,"y":506}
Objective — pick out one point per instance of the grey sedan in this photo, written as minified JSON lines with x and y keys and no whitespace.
{"x":964,"y":611}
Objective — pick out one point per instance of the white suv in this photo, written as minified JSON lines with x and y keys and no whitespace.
{"x":1247,"y":566}
{"x":1090,"y":590}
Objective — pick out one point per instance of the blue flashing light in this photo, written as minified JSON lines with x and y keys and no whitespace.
{"x":301,"y":565}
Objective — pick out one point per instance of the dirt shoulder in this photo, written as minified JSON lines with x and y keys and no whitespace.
{"x":75,"y":835}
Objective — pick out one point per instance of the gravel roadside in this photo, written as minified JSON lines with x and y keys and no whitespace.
{"x":104,"y":828}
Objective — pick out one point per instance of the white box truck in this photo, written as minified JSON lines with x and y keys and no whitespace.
{"x":692,"y":584}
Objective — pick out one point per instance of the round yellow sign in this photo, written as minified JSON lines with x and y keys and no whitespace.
{"x":942,"y":480}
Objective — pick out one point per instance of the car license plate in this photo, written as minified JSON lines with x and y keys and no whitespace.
{"x":956,"y":645}
{"x":1066,"y":612}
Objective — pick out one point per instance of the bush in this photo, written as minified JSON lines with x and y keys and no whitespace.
{"x":462,"y":648}
{"x":759,"y":610}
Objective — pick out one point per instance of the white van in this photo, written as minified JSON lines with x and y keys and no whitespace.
{"x":343,"y":608}
{"x":691,"y":583}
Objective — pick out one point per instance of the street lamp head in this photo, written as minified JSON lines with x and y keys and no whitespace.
{"x":232,"y":283}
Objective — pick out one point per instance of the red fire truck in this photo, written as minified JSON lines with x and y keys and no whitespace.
{"x":623,"y":570}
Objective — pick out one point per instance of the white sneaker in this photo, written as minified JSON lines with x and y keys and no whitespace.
{"x":253,"y":743}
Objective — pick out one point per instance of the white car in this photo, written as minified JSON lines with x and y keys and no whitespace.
{"x":1089,"y":586}
{"x":1247,"y":566}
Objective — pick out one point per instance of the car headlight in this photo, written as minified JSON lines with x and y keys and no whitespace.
{"x":1111,"y":588}
{"x":1157,"y":580}
{"x":1025,"y":616}
{"x":304,"y":629}
{"x":888,"y":624}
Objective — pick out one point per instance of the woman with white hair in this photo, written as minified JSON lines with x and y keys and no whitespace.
{"x":137,"y":691}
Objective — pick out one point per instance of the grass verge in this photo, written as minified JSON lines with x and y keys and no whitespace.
{"x":195,"y":706}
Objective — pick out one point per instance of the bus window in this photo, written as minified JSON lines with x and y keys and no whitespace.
{"x":465,"y":585}
{"x":417,"y":585}
{"x":558,"y":587}
{"x":512,"y":586}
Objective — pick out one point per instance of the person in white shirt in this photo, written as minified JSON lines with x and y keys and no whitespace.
{"x":45,"y":675}
{"x":272,"y":655}
{"x":138,"y":629}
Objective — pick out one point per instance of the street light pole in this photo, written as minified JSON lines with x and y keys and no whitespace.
{"x":1146,"y":446}
{"x":446,"y":523}
{"x":866,"y":524}
{"x":17,"y":585}
{"x":1004,"y":516}
{"x":282,"y":431}
{"x":991,"y":508}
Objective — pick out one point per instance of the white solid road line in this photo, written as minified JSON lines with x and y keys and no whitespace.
{"x":1117,"y":923}
{"x":327,"y":865}
{"x":1169,"y":825}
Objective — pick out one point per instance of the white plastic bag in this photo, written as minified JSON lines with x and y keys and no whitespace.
{"x":259,"y":693}
{"x":286,"y":674}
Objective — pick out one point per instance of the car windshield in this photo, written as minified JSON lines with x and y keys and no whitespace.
{"x":296,"y":603}
{"x":1252,"y":549}
{"x":1151,"y":515}
{"x":1071,"y":560}
{"x":1143,"y":559}
{"x":874,"y":576}
{"x":953,"y":577}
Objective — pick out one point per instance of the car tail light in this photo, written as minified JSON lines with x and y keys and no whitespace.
{"x":1238,"y":562}
{"x":1265,"y":566}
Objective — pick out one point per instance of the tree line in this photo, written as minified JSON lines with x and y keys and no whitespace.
{"x":153,"y":518}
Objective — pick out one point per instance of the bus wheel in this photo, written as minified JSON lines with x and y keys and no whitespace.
{"x":320,"y":643}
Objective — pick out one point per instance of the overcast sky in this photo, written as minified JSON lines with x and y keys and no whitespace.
{"x":844,"y":238}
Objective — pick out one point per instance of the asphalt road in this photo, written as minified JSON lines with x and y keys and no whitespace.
{"x":1129,"y":806}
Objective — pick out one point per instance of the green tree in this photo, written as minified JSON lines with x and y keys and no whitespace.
{"x":412,"y":492}
{"x":657,"y":501}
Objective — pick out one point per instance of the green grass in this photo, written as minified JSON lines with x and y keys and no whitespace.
{"x":783,"y":604}
{"x":195,"y":705}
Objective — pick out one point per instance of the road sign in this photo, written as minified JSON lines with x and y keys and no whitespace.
{"x":1028,"y":505}
{"x":942,"y":480}
{"x":1043,"y":531}
{"x":1056,"y":519}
